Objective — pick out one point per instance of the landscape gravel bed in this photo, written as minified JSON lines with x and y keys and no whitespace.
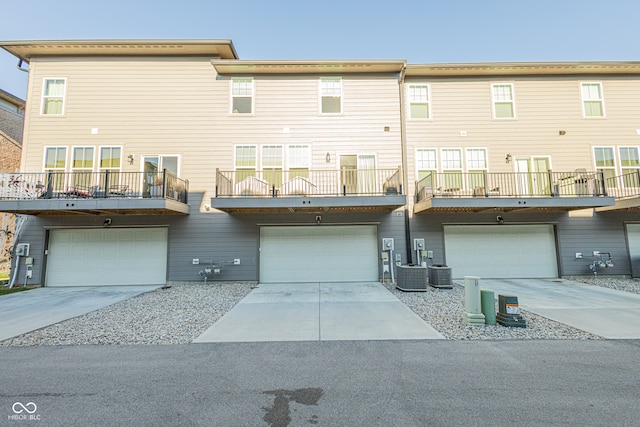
{"x":181,"y":313}
{"x":176,"y":315}
{"x":444,"y":309}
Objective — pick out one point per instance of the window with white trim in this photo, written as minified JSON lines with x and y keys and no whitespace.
{"x":111,"y":161}
{"x":53,"y":93}
{"x":299,"y":159}
{"x":272,"y":162}
{"x":82,"y":166}
{"x":452,"y":168}
{"x":55,"y":161}
{"x":419,"y":101}
{"x":592,"y":99}
{"x":245,"y":161}
{"x":242,"y":95}
{"x":503,"y":101}
{"x":331,"y":95}
{"x":630,"y":165}
{"x":476,"y":167}
{"x":605,"y":162}
{"x":426,"y":162}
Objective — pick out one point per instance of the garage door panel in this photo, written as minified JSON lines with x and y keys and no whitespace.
{"x":318,"y":253}
{"x":633,"y":239}
{"x":103,"y":257}
{"x":501,"y":251}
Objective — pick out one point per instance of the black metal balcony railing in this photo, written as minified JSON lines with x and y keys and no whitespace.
{"x":624,"y":186}
{"x":90,"y":185}
{"x":511,"y":184}
{"x":305,"y":182}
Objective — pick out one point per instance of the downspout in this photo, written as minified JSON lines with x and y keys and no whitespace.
{"x":19,"y":66}
{"x":405,"y":175}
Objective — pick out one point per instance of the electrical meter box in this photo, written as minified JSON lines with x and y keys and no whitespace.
{"x":418,"y":244}
{"x":387,"y":244}
{"x":22,"y":249}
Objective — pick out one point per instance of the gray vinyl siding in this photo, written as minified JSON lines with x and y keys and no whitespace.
{"x":603,"y":232}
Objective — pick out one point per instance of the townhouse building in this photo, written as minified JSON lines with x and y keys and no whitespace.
{"x":155,"y":161}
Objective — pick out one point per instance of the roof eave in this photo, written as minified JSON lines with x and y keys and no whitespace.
{"x":27,"y":49}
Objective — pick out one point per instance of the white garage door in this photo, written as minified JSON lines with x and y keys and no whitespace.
{"x":501,"y":251}
{"x":318,"y":254}
{"x":107,"y":256}
{"x":633,"y":237}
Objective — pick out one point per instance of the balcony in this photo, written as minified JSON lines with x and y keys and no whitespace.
{"x":509,"y":191}
{"x":625,"y":189}
{"x":305,"y":190}
{"x":93,"y":193}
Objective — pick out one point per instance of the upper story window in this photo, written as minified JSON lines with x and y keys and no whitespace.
{"x":110,"y":158}
{"x":503,"y":101}
{"x":419,"y":101}
{"x":605,"y":161}
{"x":242,"y":95}
{"x":53,"y":92}
{"x":55,"y":159}
{"x":331,"y":95}
{"x":630,"y":166}
{"x":592,"y":99}
{"x":426,"y":162}
{"x":299,"y":160}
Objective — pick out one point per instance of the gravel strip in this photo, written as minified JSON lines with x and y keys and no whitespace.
{"x":444,"y":309}
{"x":625,"y":285}
{"x":177,"y":315}
{"x":183,"y":312}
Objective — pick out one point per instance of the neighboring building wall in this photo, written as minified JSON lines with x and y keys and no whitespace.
{"x":11,"y":123}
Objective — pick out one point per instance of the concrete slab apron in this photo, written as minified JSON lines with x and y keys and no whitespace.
{"x":319,"y":311}
{"x":24,"y":312}
{"x":600,"y":311}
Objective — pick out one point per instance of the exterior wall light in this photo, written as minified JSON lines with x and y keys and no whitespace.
{"x":328,"y":157}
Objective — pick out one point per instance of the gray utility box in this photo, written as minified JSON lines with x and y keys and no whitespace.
{"x":412,"y":278}
{"x":440,"y":276}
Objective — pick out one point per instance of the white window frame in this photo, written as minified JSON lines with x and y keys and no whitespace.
{"x":469,"y":159}
{"x":46,"y":97}
{"x":235,"y":157}
{"x":626,"y":169}
{"x":99,"y":158}
{"x":585,"y":100}
{"x":613,"y":168}
{"x":420,"y":161}
{"x":72,"y":167}
{"x":411,"y":99}
{"x":495,"y":98}
{"x":306,"y":162}
{"x":262,"y":153}
{"x":232,"y":95}
{"x":443,"y":159}
{"x":330,"y":92}
{"x":66,"y":158}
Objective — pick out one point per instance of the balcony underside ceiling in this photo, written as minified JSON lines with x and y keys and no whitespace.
{"x":446,"y":204}
{"x":632,"y":203}
{"x":45,"y":207}
{"x":308,"y":204}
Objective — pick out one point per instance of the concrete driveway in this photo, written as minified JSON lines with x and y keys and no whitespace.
{"x":27,"y":311}
{"x":600,"y":311}
{"x":319,"y":312}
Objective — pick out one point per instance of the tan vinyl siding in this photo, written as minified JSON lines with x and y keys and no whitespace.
{"x":181,"y":107}
{"x":544,"y":106}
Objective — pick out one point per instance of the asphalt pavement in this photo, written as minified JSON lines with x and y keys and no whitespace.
{"x":325,"y":383}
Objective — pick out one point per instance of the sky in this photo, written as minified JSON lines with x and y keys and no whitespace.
{"x":421,"y":32}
